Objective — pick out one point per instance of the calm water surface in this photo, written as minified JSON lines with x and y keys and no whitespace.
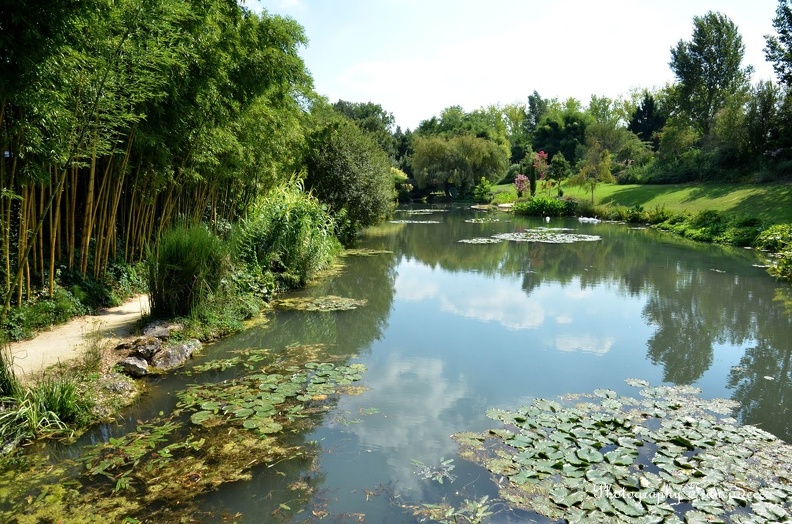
{"x":452,"y":329}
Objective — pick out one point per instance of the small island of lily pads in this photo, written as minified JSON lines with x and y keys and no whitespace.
{"x":667,"y":456}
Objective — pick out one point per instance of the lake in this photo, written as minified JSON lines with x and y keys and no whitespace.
{"x":455,"y":323}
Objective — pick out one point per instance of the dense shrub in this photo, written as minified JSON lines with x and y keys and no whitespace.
{"x":782,"y":267}
{"x":545,"y":206}
{"x":775,"y":238}
{"x":350,"y":173}
{"x":714,"y":226}
{"x":188,"y":267}
{"x":290,"y":234}
{"x":778,"y":239}
{"x":482,"y":193}
{"x":25,"y":320}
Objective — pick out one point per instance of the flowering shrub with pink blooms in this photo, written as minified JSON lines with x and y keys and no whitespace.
{"x":521,"y":183}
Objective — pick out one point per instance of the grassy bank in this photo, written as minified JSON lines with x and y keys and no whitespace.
{"x":63,"y":400}
{"x":758,"y":216}
{"x":771,"y":203}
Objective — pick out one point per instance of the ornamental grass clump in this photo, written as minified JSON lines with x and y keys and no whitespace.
{"x":187,"y":269}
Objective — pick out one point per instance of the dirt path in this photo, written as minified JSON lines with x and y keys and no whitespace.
{"x":65,"y":342}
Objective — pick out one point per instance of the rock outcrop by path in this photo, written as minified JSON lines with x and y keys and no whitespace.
{"x":66,"y":341}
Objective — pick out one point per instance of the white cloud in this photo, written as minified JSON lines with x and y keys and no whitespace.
{"x":598,"y":346}
{"x":416,"y":392}
{"x":562,"y":49}
{"x":503,"y":304}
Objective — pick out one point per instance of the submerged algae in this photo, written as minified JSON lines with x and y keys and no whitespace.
{"x":217,"y":435}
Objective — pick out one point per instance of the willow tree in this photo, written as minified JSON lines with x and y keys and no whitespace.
{"x":460,"y":161}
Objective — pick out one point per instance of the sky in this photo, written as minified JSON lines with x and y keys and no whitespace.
{"x":417,"y":57}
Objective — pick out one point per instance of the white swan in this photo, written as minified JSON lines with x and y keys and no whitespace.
{"x":589,"y":220}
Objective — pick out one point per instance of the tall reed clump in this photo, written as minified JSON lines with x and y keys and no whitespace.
{"x":10,"y":387}
{"x":289,"y":233}
{"x":48,"y":406}
{"x":188,"y":267}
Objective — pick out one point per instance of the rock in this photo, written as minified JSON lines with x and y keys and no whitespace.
{"x":146,"y":347}
{"x":123,"y":346}
{"x":161,"y":329}
{"x":175,"y":356}
{"x":117,"y":384}
{"x":134,"y":366}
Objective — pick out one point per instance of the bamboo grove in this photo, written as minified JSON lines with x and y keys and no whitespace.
{"x":119,"y":118}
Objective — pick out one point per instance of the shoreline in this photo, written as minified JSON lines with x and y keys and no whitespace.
{"x":65,"y":342}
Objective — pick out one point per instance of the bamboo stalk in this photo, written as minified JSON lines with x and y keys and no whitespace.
{"x":72,"y":222}
{"x":54,"y":235}
{"x":100,"y":220}
{"x":85,"y":237}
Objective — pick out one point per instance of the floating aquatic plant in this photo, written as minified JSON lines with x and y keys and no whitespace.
{"x":217,"y":435}
{"x":261,"y":401}
{"x":436,"y":473}
{"x":325,"y":303}
{"x":668,"y":456}
{"x":424,"y":211}
{"x":247,"y":359}
{"x":363,"y":252}
{"x":547,"y":236}
{"x":486,"y":240}
{"x":414,"y":221}
{"x":470,"y":511}
{"x":484,"y":220}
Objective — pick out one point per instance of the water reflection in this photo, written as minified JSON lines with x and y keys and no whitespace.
{"x":452,"y":329}
{"x":703,"y":314}
{"x":416,"y":401}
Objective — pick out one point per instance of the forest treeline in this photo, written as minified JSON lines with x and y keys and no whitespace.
{"x":120,"y":119}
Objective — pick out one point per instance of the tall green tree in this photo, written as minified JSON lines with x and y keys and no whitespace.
{"x":779,"y":47}
{"x":557,"y":172}
{"x":761,"y":119}
{"x":537,"y":107}
{"x":709,"y":69}
{"x":595,"y":168}
{"x":514,"y":116}
{"x":373,"y":119}
{"x":348,"y":171}
{"x":563,"y":130}
{"x":648,"y":120}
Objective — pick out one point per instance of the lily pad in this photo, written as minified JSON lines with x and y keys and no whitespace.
{"x":485,"y":240}
{"x":637,"y":459}
{"x":484,"y":220}
{"x":414,"y":221}
{"x":325,"y":303}
{"x":547,"y":236}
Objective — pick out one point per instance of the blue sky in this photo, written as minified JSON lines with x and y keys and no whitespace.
{"x":416,"y":57}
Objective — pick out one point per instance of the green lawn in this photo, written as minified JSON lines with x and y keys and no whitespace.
{"x":770,"y":202}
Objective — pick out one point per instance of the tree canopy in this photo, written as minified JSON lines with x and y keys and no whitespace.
{"x":779,"y":47}
{"x":347,"y":170}
{"x":709,"y":68}
{"x":459,"y":161}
